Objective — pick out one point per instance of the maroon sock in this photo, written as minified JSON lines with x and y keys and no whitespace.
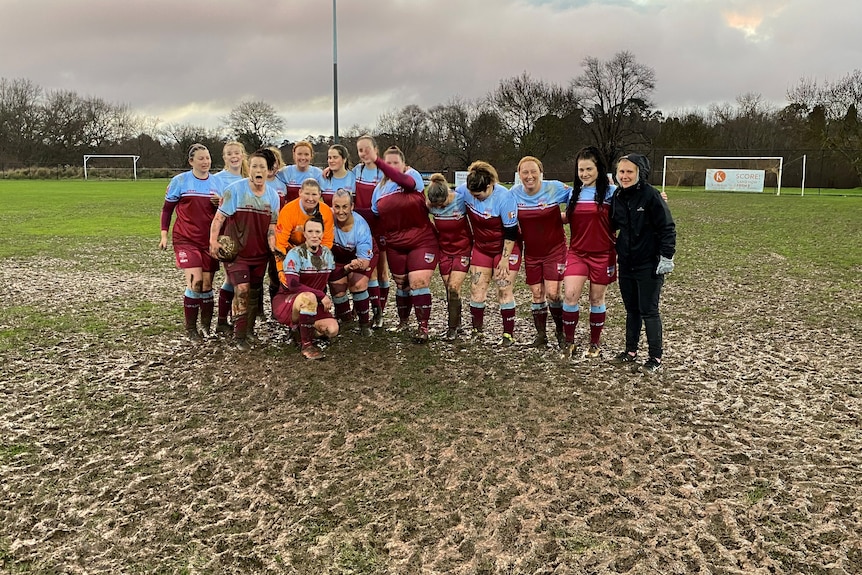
{"x":477,"y":316}
{"x":422,"y":307}
{"x":342,"y":308}
{"x":540,"y":317}
{"x":597,"y":323}
{"x":306,"y":328}
{"x":508,"y":315}
{"x":207,"y":305}
{"x":362,"y":307}
{"x":374,"y":295}
{"x":225,"y":301}
{"x":383,"y":296}
{"x":557,"y":316}
{"x":403,"y":303}
{"x":191,"y":307}
{"x":240,"y":326}
{"x":570,"y":324}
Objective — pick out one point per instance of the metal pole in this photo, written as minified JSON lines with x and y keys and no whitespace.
{"x":335,"y":70}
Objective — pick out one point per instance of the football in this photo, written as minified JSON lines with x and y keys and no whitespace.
{"x":228,"y":249}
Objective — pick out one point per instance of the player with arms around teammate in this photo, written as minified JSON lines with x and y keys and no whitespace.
{"x":411,"y":244}
{"x":493,"y":214}
{"x":367,"y":175}
{"x":544,"y":243}
{"x":248,"y":214}
{"x":646,"y":243}
{"x":591,"y":255}
{"x":355,"y":254}
{"x":456,"y":242}
{"x":299,"y":171}
{"x":301,"y":301}
{"x":190,"y":194}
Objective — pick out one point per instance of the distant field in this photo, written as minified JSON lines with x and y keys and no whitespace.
{"x":789,"y":191}
{"x":123,"y":449}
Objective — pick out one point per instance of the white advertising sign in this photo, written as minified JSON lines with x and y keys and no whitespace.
{"x":735,"y":180}
{"x":460,"y":178}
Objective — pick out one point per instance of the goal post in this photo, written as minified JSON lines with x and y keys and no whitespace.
{"x":722,"y":162}
{"x":134,"y":159}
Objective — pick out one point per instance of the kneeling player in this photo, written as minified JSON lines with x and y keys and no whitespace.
{"x":301,"y":302}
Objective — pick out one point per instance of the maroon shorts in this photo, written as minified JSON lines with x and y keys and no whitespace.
{"x":246,"y":271}
{"x":482,"y":260}
{"x":190,"y":257}
{"x":600,"y":268}
{"x":282,"y":309}
{"x":402,"y":262}
{"x":548,"y":268}
{"x":450,"y":263}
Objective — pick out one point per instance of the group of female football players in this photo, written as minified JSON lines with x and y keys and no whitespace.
{"x":333,"y":238}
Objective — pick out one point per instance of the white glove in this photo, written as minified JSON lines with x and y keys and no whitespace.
{"x":665,"y":266}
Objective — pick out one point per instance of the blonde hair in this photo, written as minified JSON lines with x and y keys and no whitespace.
{"x":526,"y":159}
{"x":243,"y":170}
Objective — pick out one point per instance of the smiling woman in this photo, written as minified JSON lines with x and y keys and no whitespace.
{"x":191,"y":194}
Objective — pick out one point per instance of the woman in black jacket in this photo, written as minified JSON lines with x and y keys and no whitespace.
{"x":646,"y":243}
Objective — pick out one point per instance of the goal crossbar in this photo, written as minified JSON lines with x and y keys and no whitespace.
{"x":732,"y":158}
{"x":132,"y":156}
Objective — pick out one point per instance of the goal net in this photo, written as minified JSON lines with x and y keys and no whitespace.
{"x":111,"y":166}
{"x":723,"y":173}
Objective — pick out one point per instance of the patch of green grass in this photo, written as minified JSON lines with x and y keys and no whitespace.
{"x":47,"y":214}
{"x":359,"y":558}
{"x":9,"y":452}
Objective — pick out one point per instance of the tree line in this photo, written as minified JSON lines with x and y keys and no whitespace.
{"x":610,"y":105}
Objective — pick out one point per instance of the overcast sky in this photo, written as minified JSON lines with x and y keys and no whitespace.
{"x":191,"y":61}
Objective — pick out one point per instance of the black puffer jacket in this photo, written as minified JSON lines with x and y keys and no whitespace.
{"x":642,"y":217}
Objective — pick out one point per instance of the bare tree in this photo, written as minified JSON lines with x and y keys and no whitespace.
{"x":832,"y":110}
{"x":255,"y":124}
{"x":408,"y":129}
{"x":746,"y":126}
{"x":462,"y":131}
{"x":521,"y":101}
{"x":179,"y":137}
{"x":20,"y":119}
{"x":616,"y":95}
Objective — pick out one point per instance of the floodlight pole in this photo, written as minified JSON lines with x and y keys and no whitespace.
{"x":335,"y":70}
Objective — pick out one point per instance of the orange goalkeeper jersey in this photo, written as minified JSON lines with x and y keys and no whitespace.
{"x":291,"y":223}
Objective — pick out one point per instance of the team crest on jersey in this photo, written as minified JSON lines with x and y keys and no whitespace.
{"x":561,"y":268}
{"x":369,"y":254}
{"x":511,"y":215}
{"x":465,"y":261}
{"x":513,"y":259}
{"x":291,"y":265}
{"x":429,"y":258}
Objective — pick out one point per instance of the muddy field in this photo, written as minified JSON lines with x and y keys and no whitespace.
{"x":123,"y":449}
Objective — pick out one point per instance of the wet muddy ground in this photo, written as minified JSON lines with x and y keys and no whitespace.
{"x":124,"y":449}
